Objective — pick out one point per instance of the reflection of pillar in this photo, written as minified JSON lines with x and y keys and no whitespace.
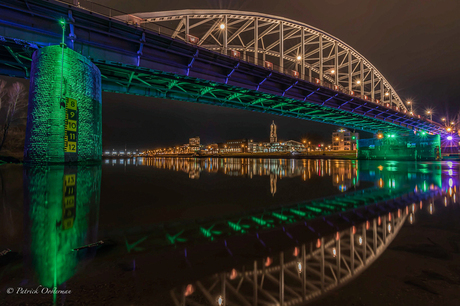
{"x":62,"y":205}
{"x":64,"y":114}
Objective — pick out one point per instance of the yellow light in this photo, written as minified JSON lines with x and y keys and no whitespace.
{"x":299,"y":57}
{"x":449,"y":129}
{"x":332,"y":71}
{"x":443,"y":119}
{"x":408,"y":102}
{"x":387,"y":94}
{"x":358,"y":82}
{"x":222,"y":26}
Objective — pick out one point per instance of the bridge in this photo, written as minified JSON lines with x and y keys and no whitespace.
{"x":236,"y":59}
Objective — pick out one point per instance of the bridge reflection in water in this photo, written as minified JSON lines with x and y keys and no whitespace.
{"x":283,"y":255}
{"x":345,"y":243}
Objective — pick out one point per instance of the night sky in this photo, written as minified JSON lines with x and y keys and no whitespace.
{"x":415,"y":44}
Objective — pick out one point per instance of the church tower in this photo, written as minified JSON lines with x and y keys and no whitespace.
{"x":273,"y":137}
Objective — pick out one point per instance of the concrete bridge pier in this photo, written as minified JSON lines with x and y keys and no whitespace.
{"x":64,"y":115}
{"x":401,"y":147}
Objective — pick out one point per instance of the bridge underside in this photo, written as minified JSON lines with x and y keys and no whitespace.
{"x":318,"y":105}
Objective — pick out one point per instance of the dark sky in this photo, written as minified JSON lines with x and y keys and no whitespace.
{"x":414,"y":43}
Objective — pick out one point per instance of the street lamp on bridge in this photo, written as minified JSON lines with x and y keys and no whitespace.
{"x":410,"y":104}
{"x":430,"y":113}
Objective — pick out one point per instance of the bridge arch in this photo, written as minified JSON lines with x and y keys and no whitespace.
{"x":283,"y":44}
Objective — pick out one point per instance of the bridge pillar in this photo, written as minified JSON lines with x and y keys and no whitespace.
{"x":397,"y":147}
{"x":64,"y":114}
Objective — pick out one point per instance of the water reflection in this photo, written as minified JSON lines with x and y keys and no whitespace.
{"x":175,"y":205}
{"x":343,"y":174}
{"x":61,"y":205}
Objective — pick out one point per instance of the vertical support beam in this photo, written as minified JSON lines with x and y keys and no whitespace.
{"x":322,"y":265}
{"x":374,"y":238}
{"x":281,"y":47}
{"x":281,"y":278}
{"x":302,"y":53}
{"x":182,"y":296}
{"x":321,"y":57}
{"x":382,"y":91}
{"x":350,"y":72}
{"x":304,"y":273}
{"x":393,"y":222}
{"x":336,"y":64}
{"x":254,"y":279}
{"x":309,"y":73}
{"x":223,"y":283}
{"x":391,"y":97}
{"x":338,"y":258}
{"x":373,"y":85}
{"x":352,"y":251}
{"x":256,"y":40}
{"x":361,"y":77}
{"x":187,"y":25}
{"x":225,"y":35}
{"x":364,"y":233}
{"x":384,"y":228}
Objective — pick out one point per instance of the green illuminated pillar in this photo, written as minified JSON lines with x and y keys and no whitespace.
{"x":64,"y":114}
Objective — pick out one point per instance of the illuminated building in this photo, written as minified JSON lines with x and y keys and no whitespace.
{"x":344,"y":140}
{"x":273,"y":137}
{"x":237,"y":146}
{"x":194,"y":144}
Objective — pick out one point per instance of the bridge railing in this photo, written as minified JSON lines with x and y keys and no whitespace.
{"x":292,"y":70}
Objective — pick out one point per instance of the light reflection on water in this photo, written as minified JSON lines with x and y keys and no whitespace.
{"x":133,"y":196}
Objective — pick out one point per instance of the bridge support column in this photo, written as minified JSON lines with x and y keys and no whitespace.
{"x":397,"y":147}
{"x":64,"y":113}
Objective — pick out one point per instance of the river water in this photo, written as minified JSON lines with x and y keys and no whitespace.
{"x":62,"y":223}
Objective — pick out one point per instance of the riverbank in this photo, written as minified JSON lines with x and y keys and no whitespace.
{"x":323,"y":155}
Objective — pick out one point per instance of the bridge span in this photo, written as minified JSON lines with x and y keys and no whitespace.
{"x":243,"y":60}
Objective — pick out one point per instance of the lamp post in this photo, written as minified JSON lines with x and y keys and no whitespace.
{"x":430,"y":113}
{"x":410,"y":104}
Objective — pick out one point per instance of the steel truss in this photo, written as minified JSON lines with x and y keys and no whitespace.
{"x":290,"y":45}
{"x":304,"y":272}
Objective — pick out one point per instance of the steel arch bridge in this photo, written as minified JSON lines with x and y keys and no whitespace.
{"x":179,"y":55}
{"x":284,"y":44}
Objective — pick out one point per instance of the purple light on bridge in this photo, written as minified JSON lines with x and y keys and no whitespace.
{"x":449,"y":137}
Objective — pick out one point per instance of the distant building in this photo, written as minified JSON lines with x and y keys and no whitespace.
{"x":273,"y":136}
{"x":237,"y":146}
{"x":344,"y":140}
{"x":194,"y":144}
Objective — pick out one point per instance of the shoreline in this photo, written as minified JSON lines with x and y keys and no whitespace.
{"x":351,"y":156}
